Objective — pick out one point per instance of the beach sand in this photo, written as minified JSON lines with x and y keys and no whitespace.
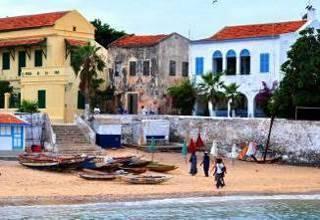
{"x":20,"y":185}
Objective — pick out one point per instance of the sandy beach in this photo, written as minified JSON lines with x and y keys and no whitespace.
{"x":20,"y":185}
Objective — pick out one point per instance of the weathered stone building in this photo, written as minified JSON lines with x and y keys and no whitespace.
{"x":143,"y":67}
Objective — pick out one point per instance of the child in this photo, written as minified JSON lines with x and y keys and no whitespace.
{"x":206,"y":164}
{"x":219,"y":171}
{"x":193,"y":161}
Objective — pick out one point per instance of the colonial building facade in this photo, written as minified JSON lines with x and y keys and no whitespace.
{"x":144,"y":67}
{"x":248,"y":55}
{"x":35,"y":59}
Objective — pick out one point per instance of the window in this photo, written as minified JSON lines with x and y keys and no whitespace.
{"x":245,"y":62}
{"x":5,"y":130}
{"x":264,"y":62}
{"x":146,"y":68}
{"x":185,"y":69}
{"x":5,"y":60}
{"x":153,"y":66}
{"x":217,"y":62}
{"x":81,"y":102}
{"x":199,"y":65}
{"x":21,"y":61}
{"x":42,"y":98}
{"x":74,"y":28}
{"x":133,"y":68}
{"x":172,"y":68}
{"x":38,"y":58}
{"x":117,"y":69}
{"x":231,"y":62}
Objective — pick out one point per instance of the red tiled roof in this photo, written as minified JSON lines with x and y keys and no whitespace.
{"x":30,"y":21}
{"x":10,"y":119}
{"x":138,"y":40}
{"x":20,"y":42}
{"x":73,"y":42}
{"x":257,"y":30}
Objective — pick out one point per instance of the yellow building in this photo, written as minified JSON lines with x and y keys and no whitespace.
{"x":35,"y":59}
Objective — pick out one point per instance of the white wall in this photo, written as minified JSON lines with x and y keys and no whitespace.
{"x":5,"y":143}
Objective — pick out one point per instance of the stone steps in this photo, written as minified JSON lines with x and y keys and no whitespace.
{"x":71,"y":140}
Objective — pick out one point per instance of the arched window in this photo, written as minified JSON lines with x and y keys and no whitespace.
{"x":231,"y":62}
{"x":217,"y":62}
{"x":245,"y":62}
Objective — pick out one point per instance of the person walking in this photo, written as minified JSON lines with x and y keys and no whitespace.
{"x":206,"y":164}
{"x":193,"y":161}
{"x":219,"y":171}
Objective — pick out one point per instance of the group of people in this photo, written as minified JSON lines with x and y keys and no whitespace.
{"x":218,"y":167}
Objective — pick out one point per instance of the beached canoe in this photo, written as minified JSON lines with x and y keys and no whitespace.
{"x":261,"y":161}
{"x":162,"y":168}
{"x":41,"y":165}
{"x":145,"y":179}
{"x":135,"y":170}
{"x":138,"y":163}
{"x":96,"y":176}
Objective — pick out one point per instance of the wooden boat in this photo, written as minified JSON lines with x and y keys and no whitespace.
{"x":138,"y":170}
{"x":137,"y":163}
{"x":96,"y":176}
{"x":52,"y":161}
{"x":41,"y":165}
{"x":261,"y":161}
{"x":162,"y":168}
{"x":145,"y":179}
{"x":108,"y":167}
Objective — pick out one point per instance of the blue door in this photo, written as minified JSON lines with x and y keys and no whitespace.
{"x":17,"y":138}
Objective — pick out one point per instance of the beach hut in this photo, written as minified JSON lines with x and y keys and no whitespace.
{"x":12,"y":133}
{"x":158,"y":130}
{"x":108,"y":135}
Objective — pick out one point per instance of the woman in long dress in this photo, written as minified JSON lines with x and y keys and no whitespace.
{"x":193,"y":161}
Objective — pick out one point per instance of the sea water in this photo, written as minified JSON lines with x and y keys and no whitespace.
{"x":231,"y":207}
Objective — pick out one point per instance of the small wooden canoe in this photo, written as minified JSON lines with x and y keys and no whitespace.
{"x":96,"y":176}
{"x":41,"y":165}
{"x":135,"y":170}
{"x":162,"y":168}
{"x":145,"y":179}
{"x":138,"y":163}
{"x":261,"y":161}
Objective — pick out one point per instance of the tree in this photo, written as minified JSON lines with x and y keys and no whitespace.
{"x":86,"y":64}
{"x":184,"y":95}
{"x":104,"y":34}
{"x":28,"y":107}
{"x":301,"y":83}
{"x":211,"y":88}
{"x":264,"y":96}
{"x":4,"y":88}
{"x":232,"y":95}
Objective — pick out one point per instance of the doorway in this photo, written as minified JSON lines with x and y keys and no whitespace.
{"x":132,"y":103}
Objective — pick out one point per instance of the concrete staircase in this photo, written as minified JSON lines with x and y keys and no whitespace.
{"x":71,"y":140}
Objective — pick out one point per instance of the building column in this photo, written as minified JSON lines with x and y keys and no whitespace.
{"x":250,"y":107}
{"x":238,"y":65}
{"x":6,"y":101}
{"x":224,"y":64}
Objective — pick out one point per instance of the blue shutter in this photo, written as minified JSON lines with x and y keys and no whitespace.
{"x":264,"y":62}
{"x":199,"y":65}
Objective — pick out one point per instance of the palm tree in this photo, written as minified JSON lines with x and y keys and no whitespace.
{"x":211,"y":88}
{"x":86,"y":64}
{"x":232,"y":95}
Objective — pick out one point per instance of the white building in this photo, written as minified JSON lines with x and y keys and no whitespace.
{"x":249,"y":55}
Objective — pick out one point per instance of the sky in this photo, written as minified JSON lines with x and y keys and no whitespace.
{"x":195,"y":19}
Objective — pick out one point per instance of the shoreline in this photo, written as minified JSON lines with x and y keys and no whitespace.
{"x":82,"y":200}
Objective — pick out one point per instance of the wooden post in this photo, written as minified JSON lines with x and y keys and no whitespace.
{"x":268,"y":139}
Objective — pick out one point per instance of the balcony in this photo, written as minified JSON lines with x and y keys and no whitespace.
{"x":6,"y":75}
{"x":62,"y":74}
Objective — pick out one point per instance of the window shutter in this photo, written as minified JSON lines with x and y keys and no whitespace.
{"x":6,"y":61}
{"x":199,"y":65}
{"x":42,"y":98}
{"x":38,"y":58}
